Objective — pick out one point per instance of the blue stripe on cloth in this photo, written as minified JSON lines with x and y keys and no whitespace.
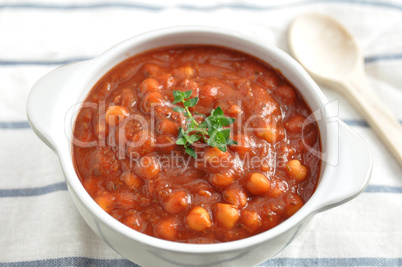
{"x":359,"y":123}
{"x":81,"y":261}
{"x":34,"y":191}
{"x":14,"y":125}
{"x":37,"y":191}
{"x":150,"y":7}
{"x":367,"y":60}
{"x":41,"y":62}
{"x":49,"y":6}
{"x":71,"y":261}
{"x":383,"y":189}
{"x":390,"y":57}
{"x":333,"y":262}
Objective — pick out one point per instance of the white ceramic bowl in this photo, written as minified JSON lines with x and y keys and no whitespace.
{"x":55,"y":99}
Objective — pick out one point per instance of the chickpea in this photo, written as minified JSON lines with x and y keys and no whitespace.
{"x":167,"y":81}
{"x":166,"y":229}
{"x":296,"y":171}
{"x":278,"y":189}
{"x":198,"y":219}
{"x":126,"y":200}
{"x":189,"y":84}
{"x":135,"y":222}
{"x":150,"y":100}
{"x":278,"y":206}
{"x":222,"y":179}
{"x":166,"y":143}
{"x":204,"y":193}
{"x":131,"y":127}
{"x":295,"y":124}
{"x":293,"y":203}
{"x":101,"y":131}
{"x":183,"y":72}
{"x":245,"y":145}
{"x":258,"y":184}
{"x":251,"y":220}
{"x":115,"y":115}
{"x":141,"y":143}
{"x":216,"y":157}
{"x":105,"y":201}
{"x":310,"y":135}
{"x":208,"y":94}
{"x":234,"y":110}
{"x":150,"y":85}
{"x":177,"y":202}
{"x":269,"y":218}
{"x":131,"y":180}
{"x":287,"y":151}
{"x":189,"y":71}
{"x":151,"y":70}
{"x":226,"y":214}
{"x":270,"y":133}
{"x":287,"y":94}
{"x":169,"y":127}
{"x":147,"y":167}
{"x":126,"y":99}
{"x":117,"y":99}
{"x":91,"y":185}
{"x":235,"y":196}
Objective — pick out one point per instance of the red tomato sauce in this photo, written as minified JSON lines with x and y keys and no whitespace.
{"x":128,"y":161}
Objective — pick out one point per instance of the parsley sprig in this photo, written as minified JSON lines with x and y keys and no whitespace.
{"x":210,"y":129}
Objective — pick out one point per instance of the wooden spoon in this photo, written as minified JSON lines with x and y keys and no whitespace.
{"x":331,"y":56}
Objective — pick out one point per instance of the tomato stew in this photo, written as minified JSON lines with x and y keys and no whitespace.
{"x":128,"y":162}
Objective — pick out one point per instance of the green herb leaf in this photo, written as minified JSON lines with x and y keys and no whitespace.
{"x":217,"y":118}
{"x":222,"y":147}
{"x":191,"y":152}
{"x":188,"y":138}
{"x":191,"y":126}
{"x":178,"y":96}
{"x":191,"y":102}
{"x":230,"y":142}
{"x":225,"y":133}
{"x":220,"y":138}
{"x":195,"y":137}
{"x":203,"y":125}
{"x":210,"y":130}
{"x":213,"y":127}
{"x":181,"y":132}
{"x":187,"y":94}
{"x":229,"y":121}
{"x":181,"y":141}
{"x":211,"y":142}
{"x":179,"y":109}
{"x":217,"y":112}
{"x":199,"y":114}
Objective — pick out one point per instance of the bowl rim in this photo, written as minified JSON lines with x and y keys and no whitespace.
{"x":74,"y":183}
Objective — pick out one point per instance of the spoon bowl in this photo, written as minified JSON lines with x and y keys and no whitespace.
{"x":324,"y":47}
{"x":331,"y":55}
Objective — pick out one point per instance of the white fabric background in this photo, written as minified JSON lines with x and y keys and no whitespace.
{"x":39,"y":225}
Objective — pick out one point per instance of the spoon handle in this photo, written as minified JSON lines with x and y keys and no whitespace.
{"x":377,"y":114}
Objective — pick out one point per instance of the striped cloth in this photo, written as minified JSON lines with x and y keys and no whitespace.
{"x":39,"y":225}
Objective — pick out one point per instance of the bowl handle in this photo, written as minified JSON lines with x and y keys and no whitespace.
{"x":43,"y":98}
{"x":352,"y":173}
